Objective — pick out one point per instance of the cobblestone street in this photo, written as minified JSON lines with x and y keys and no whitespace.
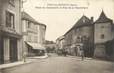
{"x":58,"y":64}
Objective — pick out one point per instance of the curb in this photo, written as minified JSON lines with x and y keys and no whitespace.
{"x":10,"y":65}
{"x":42,"y":57}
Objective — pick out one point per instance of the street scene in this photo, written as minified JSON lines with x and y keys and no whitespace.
{"x":56,"y":36}
{"x":61,"y":64}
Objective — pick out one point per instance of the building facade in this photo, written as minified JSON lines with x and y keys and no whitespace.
{"x":10,"y":31}
{"x":50,"y":46}
{"x":80,"y":35}
{"x":92,"y":37}
{"x":33,"y":35}
{"x":60,"y":44}
{"x":103,"y":35}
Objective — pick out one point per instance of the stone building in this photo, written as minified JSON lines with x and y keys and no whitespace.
{"x":80,"y":35}
{"x":10,"y":31}
{"x":95,"y":38}
{"x":103,"y":33}
{"x":60,"y":44}
{"x":50,"y":46}
{"x":33,"y":35}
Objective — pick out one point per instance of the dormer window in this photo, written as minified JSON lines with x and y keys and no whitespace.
{"x":83,"y":20}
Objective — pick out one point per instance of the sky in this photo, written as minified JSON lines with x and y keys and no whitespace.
{"x":59,"y":20}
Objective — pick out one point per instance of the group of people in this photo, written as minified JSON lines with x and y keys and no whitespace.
{"x":62,"y":52}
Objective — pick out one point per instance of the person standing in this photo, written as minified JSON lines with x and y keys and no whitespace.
{"x":82,"y":52}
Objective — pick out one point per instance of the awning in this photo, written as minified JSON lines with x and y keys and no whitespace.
{"x":36,"y":46}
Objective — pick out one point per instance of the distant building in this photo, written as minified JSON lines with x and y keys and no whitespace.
{"x":33,"y":35}
{"x":95,"y":38}
{"x":60,"y":42}
{"x":50,"y":46}
{"x":10,"y":31}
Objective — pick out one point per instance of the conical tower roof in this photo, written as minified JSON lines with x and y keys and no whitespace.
{"x":103,"y":18}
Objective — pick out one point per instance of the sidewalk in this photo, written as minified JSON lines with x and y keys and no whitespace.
{"x":39,"y":57}
{"x":14,"y":64}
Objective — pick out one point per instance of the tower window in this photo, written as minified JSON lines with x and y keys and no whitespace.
{"x":102,"y":36}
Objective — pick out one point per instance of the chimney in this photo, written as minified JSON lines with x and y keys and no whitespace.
{"x":92,"y":19}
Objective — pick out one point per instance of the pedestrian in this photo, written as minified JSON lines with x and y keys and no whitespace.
{"x":82,"y":53}
{"x":24,"y":56}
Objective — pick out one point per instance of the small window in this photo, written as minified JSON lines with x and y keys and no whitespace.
{"x":10,"y":19}
{"x":102,"y":36}
{"x":102,"y":26}
{"x":29,"y":24}
{"x":78,"y":37}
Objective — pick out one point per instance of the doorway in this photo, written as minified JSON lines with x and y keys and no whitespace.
{"x":13,"y":50}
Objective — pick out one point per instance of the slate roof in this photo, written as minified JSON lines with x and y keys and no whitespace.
{"x":103,"y":18}
{"x":26,"y":16}
{"x":83,"y":21}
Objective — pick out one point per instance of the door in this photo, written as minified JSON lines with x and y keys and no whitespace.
{"x":13,"y":50}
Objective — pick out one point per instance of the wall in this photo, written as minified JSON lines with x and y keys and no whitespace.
{"x":41,"y":33}
{"x":100,"y":47}
{"x":14,"y":8}
{"x":6,"y":6}
{"x":103,"y":28}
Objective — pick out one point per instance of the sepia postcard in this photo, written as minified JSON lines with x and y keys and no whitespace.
{"x":56,"y":36}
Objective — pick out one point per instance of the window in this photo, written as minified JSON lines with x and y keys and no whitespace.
{"x":102,"y":26}
{"x":29,"y":24}
{"x":78,"y":39}
{"x":29,"y":38}
{"x":10,"y":20}
{"x":102,"y":36}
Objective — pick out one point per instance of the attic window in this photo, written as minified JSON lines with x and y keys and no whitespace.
{"x":83,"y":20}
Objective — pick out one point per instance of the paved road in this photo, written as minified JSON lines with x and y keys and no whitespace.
{"x":64,"y":65}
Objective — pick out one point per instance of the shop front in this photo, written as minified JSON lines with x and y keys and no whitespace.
{"x":35,"y":49}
